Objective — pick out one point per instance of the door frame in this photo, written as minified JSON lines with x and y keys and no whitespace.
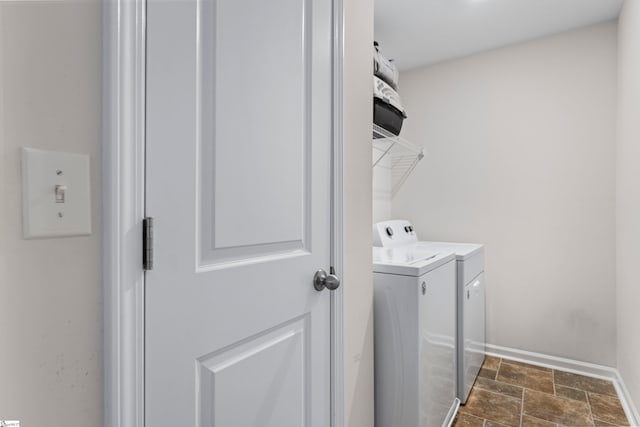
{"x":123,"y":178}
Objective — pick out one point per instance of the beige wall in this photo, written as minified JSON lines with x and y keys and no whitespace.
{"x":382,"y":186}
{"x":358,"y":281}
{"x":628,"y":197}
{"x":521,"y":157}
{"x":50,"y":289}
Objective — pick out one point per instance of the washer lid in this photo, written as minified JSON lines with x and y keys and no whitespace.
{"x":463,"y":251}
{"x":410,"y":260}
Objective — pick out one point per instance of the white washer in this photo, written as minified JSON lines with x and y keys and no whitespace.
{"x":415,"y":334}
{"x":470,"y":289}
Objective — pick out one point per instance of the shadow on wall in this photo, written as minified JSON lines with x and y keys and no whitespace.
{"x":364,"y":381}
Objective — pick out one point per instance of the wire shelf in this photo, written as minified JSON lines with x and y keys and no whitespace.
{"x":401,"y":156}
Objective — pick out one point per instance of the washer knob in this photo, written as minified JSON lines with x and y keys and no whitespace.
{"x":389,"y":231}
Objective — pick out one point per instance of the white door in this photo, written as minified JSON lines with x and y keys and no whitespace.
{"x":238,"y":183}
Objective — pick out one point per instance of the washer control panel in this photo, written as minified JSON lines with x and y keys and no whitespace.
{"x":389,"y":234}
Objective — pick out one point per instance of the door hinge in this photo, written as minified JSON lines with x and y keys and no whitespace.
{"x":147,"y":244}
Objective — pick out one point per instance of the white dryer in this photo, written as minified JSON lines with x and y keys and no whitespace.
{"x":470,"y":288}
{"x":415,"y":333}
{"x":470,"y":297}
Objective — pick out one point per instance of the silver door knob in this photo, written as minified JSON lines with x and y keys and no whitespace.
{"x":323,"y":280}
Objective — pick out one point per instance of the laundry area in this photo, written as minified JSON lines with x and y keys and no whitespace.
{"x":494,"y":212}
{"x":433,"y":292}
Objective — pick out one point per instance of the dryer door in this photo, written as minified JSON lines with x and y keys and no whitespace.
{"x":473,"y":332}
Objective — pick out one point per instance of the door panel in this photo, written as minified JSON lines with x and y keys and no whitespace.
{"x":273,"y":364}
{"x":238,"y":181}
{"x":255,"y":120}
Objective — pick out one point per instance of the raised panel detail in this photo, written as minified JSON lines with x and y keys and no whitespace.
{"x":260,"y":382}
{"x":254,"y":128}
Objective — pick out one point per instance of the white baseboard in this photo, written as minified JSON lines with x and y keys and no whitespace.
{"x":576,"y":367}
{"x":539,"y":359}
{"x":627,"y":402}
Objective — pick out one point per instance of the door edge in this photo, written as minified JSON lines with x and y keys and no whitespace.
{"x":337,"y":219}
{"x":124,"y":31}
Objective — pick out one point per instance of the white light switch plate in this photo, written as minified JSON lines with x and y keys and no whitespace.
{"x":42,"y":216}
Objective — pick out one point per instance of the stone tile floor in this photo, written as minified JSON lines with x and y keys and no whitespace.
{"x":509,"y":393}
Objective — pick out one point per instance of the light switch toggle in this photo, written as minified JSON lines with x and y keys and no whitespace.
{"x":56,"y":194}
{"x":60,"y":191}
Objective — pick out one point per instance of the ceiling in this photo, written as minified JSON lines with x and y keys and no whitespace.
{"x":422,"y":32}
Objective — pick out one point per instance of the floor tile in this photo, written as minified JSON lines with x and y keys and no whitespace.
{"x":556,"y":409}
{"x":526,"y":365}
{"x":594,"y":385}
{"x":607,"y":409}
{"x":526,"y":377}
{"x":466,"y":420}
{"x":487,"y":373}
{"x":493,"y":407}
{"x":571,"y":393}
{"x":599,"y":423}
{"x":491,"y":362}
{"x":498,"y":387}
{"x":529,"y":421}
{"x":521,"y":395}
